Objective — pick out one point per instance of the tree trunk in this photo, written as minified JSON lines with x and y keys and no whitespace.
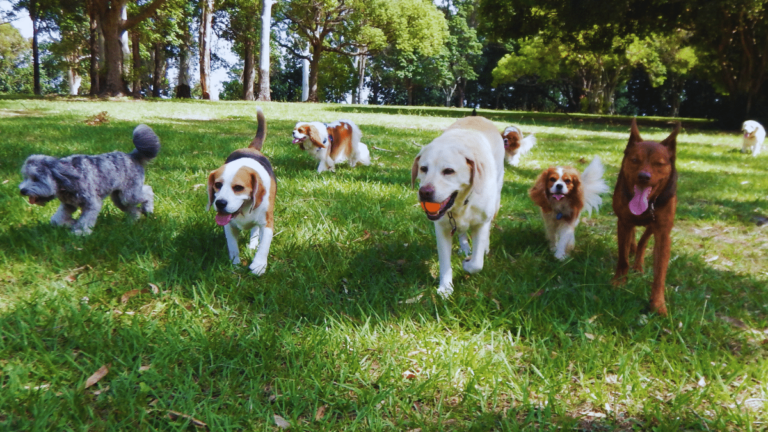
{"x":94,"y":47}
{"x":409,"y":88}
{"x":206,"y":20}
{"x":304,"y":80}
{"x":462,"y":86}
{"x":158,"y":74}
{"x":136,"y":45}
{"x":183,"y":87}
{"x":73,"y":80}
{"x":248,"y":71}
{"x":361,"y":78}
{"x":266,"y":21}
{"x":113,"y":52}
{"x":33,"y":15}
{"x":124,"y":42}
{"x":313,"y":72}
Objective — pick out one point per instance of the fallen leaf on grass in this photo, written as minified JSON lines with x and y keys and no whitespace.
{"x":537,"y":293}
{"x":589,"y":336}
{"x":380,"y":149}
{"x":710,"y":259}
{"x":498,"y":305}
{"x":127,"y":296}
{"x":409,"y":374}
{"x":320,"y":412}
{"x":734,"y":322}
{"x":173,"y":415}
{"x":197,"y":186}
{"x":363,"y":238}
{"x":98,"y":119}
{"x":413,"y":299}
{"x":100,"y":391}
{"x":71,"y":278}
{"x":98,"y":375}
{"x":281,"y":423}
{"x":144,"y":368}
{"x":612,"y":379}
{"x":6,"y":181}
{"x":594,"y":414}
{"x":154,"y":288}
{"x":702,"y":383}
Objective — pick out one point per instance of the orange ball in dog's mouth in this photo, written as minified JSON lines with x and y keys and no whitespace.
{"x":431,"y":207}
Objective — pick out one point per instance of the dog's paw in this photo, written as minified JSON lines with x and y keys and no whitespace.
{"x":471,"y":267}
{"x":445,"y":291}
{"x":561,"y":255}
{"x":619,"y":280}
{"x":81,"y":231}
{"x":235,"y":260}
{"x":258,"y":267}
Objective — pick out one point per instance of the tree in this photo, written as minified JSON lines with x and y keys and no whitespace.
{"x":40,"y":14}
{"x":15,"y":53}
{"x":266,"y":26}
{"x":461,"y":53}
{"x":206,"y":22}
{"x":113,"y":26}
{"x":237,"y":21}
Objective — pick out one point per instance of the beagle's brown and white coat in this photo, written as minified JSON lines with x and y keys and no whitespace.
{"x":243,"y":192}
{"x":332,"y":143}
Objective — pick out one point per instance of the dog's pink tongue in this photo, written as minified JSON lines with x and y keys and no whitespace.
{"x":223,"y":219}
{"x":296,"y":140}
{"x":639,"y":203}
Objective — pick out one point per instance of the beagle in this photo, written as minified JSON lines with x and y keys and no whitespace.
{"x":332,"y":143}
{"x":243,"y":191}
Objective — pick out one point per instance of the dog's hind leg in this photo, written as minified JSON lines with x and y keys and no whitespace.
{"x":464,"y":245}
{"x":63,"y":216}
{"x":231,"y":233}
{"x":259,"y":264}
{"x":632,"y":242}
{"x":148,"y":199}
{"x":84,"y":225}
{"x":641,"y":247}
{"x":481,"y":239}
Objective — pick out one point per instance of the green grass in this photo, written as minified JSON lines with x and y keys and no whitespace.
{"x":347,"y":306}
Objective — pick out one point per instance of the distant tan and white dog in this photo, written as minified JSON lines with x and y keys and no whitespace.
{"x":243,"y":191}
{"x":754,"y":135}
{"x":460,"y":176}
{"x":562,"y":194}
{"x":332,"y":143}
{"x":515,"y":145}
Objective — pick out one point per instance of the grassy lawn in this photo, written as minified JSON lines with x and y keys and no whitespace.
{"x":344,"y":331}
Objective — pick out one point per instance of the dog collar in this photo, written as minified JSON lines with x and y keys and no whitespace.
{"x":559,"y":216}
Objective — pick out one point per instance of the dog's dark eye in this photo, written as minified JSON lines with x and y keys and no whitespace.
{"x":448,"y":171}
{"x":567,"y":181}
{"x":238,"y":188}
{"x":34,"y":179}
{"x":552,"y":179}
{"x":218,"y":185}
{"x":424,"y":169}
{"x":635,"y":160}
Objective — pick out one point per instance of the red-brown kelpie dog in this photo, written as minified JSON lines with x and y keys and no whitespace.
{"x":645,"y":195}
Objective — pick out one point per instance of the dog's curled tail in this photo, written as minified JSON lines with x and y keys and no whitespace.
{"x":593,"y":185}
{"x":147,"y":143}
{"x":527,"y":144}
{"x":261,"y":131}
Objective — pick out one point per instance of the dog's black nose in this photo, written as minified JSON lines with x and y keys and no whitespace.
{"x":426,"y":193}
{"x":558,"y":186}
{"x":24,"y":192}
{"x":644,"y":176}
{"x":221,"y":204}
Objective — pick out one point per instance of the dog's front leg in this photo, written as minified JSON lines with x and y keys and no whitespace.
{"x":622,"y":267}
{"x":88,"y":216}
{"x":253,"y":243}
{"x":259,"y":264}
{"x":481,"y":238}
{"x":565,"y":241}
{"x":63,"y":216}
{"x":231,"y":233}
{"x":661,"y":250}
{"x":444,"y":244}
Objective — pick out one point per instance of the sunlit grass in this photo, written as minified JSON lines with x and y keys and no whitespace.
{"x":344,"y":331}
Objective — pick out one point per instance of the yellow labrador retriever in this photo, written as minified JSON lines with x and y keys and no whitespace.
{"x":460,"y":177}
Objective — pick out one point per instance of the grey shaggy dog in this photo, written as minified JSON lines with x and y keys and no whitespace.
{"x":83,"y":181}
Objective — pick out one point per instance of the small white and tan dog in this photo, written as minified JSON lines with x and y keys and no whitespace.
{"x":754,"y":135}
{"x":562,"y":194}
{"x":332,"y":143}
{"x":515,"y":145}
{"x":243,"y":191}
{"x":460,"y":174}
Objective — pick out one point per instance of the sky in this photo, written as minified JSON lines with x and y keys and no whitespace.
{"x":222,"y":48}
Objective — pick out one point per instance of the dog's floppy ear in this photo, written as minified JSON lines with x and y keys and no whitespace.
{"x":415,"y":169}
{"x":472,"y":170}
{"x":538,"y":192}
{"x":634,"y":134}
{"x":65,"y":175}
{"x":211,"y":181}
{"x":314,"y":136}
{"x":670,"y":142}
{"x":257,"y":191}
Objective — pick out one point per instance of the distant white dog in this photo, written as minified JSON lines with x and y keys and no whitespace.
{"x":754,"y":135}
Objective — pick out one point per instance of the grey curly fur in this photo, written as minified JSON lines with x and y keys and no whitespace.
{"x":83,"y":181}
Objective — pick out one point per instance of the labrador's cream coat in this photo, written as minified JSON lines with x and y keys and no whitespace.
{"x":467,"y":159}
